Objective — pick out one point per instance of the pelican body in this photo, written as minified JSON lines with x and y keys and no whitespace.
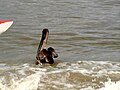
{"x":45,"y":55}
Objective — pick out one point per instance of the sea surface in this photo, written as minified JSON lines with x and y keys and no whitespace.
{"x":85,"y":34}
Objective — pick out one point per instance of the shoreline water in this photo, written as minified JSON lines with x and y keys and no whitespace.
{"x":85,"y":34}
{"x":80,"y":75}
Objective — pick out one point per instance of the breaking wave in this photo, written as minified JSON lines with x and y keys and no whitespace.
{"x":80,"y":75}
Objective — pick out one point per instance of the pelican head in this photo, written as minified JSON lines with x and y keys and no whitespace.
{"x":52,"y":52}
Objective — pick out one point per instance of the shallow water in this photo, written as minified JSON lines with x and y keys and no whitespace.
{"x":85,"y":34}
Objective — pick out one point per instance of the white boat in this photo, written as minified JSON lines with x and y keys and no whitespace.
{"x":4,"y":25}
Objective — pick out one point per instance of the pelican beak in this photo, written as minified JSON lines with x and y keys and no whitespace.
{"x":54,"y":54}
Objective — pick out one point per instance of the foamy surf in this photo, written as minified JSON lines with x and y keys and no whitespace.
{"x":81,"y":75}
{"x":111,"y":85}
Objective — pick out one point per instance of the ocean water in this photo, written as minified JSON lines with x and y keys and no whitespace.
{"x":85,"y":34}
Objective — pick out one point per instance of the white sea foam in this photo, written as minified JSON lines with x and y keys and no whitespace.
{"x":28,"y":83}
{"x":111,"y":85}
{"x":64,"y":76}
{"x":88,"y":88}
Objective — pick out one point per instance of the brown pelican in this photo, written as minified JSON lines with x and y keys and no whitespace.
{"x":45,"y":55}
